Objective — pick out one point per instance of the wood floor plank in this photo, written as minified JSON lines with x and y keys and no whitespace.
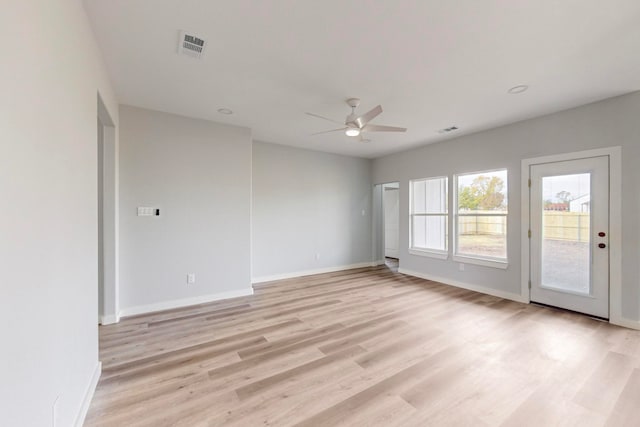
{"x":625,"y":412}
{"x":256,"y":387}
{"x":366,"y":347}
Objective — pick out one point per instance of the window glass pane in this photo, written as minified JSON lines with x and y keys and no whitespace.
{"x":483,"y":236}
{"x":429,"y":195}
{"x":436,"y":198}
{"x":419,"y":231}
{"x":418,"y":193}
{"x":566,"y":233}
{"x":483,"y":192}
{"x":430,"y":232}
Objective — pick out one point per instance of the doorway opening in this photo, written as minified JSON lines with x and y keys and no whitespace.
{"x":387,"y":224}
{"x":107,"y":217}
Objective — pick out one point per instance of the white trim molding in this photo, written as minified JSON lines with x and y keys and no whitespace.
{"x":429,"y":253}
{"x":615,"y":225}
{"x":262,"y":279}
{"x":476,"y":288}
{"x":109,"y":319}
{"x":627,"y":323}
{"x":184,"y":302}
{"x":88,"y":395}
{"x":484,"y":262}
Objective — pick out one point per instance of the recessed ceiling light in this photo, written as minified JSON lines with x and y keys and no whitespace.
{"x":518,"y":89}
{"x":225,"y":111}
{"x":352,"y":132}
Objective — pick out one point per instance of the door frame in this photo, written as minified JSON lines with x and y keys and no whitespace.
{"x":388,"y":187}
{"x":377,"y":222}
{"x":108,"y":224}
{"x":615,"y":223}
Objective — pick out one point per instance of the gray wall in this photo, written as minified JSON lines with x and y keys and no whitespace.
{"x":48,"y":220}
{"x":613,"y":122}
{"x":307,"y":203}
{"x":199,"y":174}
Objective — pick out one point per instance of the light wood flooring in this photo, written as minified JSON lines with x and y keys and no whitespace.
{"x":366,"y":347}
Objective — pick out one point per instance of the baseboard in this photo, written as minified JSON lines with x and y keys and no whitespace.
{"x":262,"y":279}
{"x":88,"y":395}
{"x":167,"y":305}
{"x":627,"y":323}
{"x":469,"y":286}
{"x":379,"y":262}
{"x":109,"y":319}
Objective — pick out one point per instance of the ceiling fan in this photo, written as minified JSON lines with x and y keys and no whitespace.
{"x":354,"y":125}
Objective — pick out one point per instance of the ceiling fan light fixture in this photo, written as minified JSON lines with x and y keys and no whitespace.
{"x":352,"y":132}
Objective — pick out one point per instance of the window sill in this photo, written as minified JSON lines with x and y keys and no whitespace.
{"x":429,"y":254}
{"x":503,"y":265}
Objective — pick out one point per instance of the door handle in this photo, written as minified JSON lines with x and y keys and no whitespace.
{"x":602,"y":245}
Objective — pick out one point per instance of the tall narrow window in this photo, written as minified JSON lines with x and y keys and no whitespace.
{"x":429,"y":217}
{"x":481,"y":217}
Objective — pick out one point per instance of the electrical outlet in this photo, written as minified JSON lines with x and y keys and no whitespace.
{"x":461,"y":267}
{"x":191,"y":279}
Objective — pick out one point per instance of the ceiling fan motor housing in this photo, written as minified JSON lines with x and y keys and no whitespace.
{"x":351,"y":118}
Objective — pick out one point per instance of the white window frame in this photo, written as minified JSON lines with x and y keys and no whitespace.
{"x":486,"y":261}
{"x":432,"y":253}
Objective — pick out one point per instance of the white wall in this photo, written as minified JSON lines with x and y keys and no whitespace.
{"x":49,"y":79}
{"x":307,"y":203}
{"x":199,"y":174}
{"x":613,"y":122}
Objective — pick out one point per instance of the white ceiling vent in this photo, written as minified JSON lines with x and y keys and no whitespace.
{"x":190,"y":45}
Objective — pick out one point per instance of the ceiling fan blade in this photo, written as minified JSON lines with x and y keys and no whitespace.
{"x":324,"y":118}
{"x":328,"y":131}
{"x":361,"y":138}
{"x":368,"y":116}
{"x":381,"y":128}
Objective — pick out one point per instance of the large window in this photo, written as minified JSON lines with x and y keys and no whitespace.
{"x":429,"y":217}
{"x":481,"y":217}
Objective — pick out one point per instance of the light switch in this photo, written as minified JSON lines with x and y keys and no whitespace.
{"x":148,"y":211}
{"x":145,"y":211}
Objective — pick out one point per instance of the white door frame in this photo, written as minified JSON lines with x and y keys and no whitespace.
{"x":385,"y":188}
{"x":615,"y":223}
{"x":108,"y":193}
{"x":377,"y":219}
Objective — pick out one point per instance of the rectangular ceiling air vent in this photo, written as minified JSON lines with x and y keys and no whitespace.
{"x":449,"y":129}
{"x":190,"y":45}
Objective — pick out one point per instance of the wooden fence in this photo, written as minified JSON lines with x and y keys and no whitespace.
{"x":569,"y":226}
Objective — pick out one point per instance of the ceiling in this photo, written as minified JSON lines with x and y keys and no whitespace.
{"x":431,"y":64}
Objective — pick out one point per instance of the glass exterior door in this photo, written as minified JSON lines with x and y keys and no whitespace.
{"x":569,"y":235}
